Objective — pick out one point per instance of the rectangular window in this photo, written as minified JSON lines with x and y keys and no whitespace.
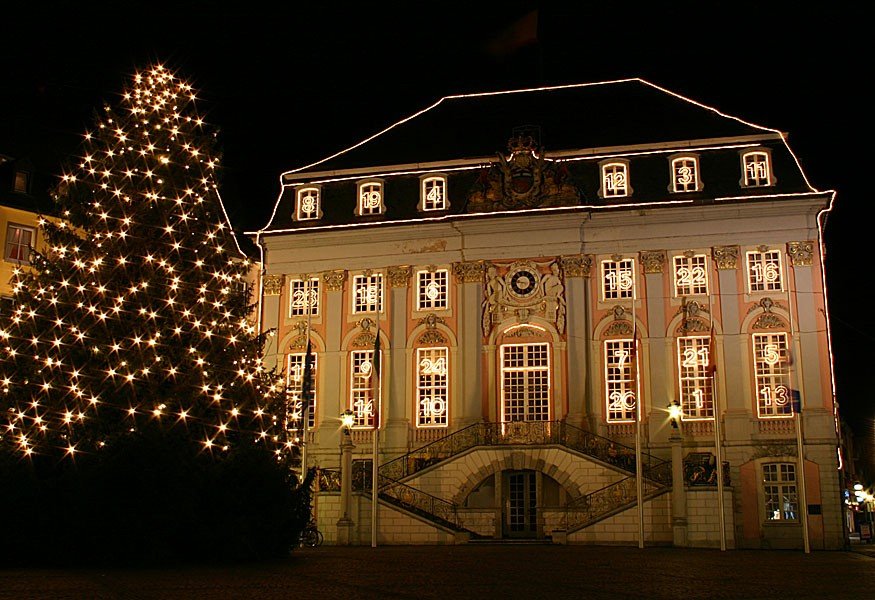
{"x":618,"y":279}
{"x":779,"y":489}
{"x":691,"y":275}
{"x":431,"y":289}
{"x":756,"y":169}
{"x":434,"y":193}
{"x":764,"y":271}
{"x":525,"y":382}
{"x":432,"y":387}
{"x":308,"y":204}
{"x":620,"y":372}
{"x":367,"y":293}
{"x":615,"y":180}
{"x":772,"y":371}
{"x":19,"y":240}
{"x":22,"y":181}
{"x":695,"y":382}
{"x":362,"y":393}
{"x":295,"y":383}
{"x":685,"y":174}
{"x":304,"y":297}
{"x":370,"y":198}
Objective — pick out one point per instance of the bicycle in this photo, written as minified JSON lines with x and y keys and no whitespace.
{"x":311,"y":536}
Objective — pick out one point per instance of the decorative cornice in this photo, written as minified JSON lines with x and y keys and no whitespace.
{"x":801,"y":253}
{"x":273,"y":285}
{"x":576,"y":266}
{"x":334,"y":280}
{"x":769,"y":450}
{"x":400,"y":276}
{"x":468,"y":272}
{"x":726,"y":256}
{"x":522,"y":332}
{"x":653,"y":261}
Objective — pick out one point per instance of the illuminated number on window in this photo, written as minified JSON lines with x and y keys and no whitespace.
{"x":615,"y":181}
{"x":691,"y":277}
{"x":308,"y":205}
{"x":698,"y":398}
{"x":368,"y":294}
{"x":623,"y":355}
{"x":296,"y":372}
{"x":685,"y":175}
{"x":370,"y":200}
{"x":432,"y":291}
{"x":768,"y":272}
{"x":622,"y":400}
{"x":694,"y":358}
{"x":434,"y":195}
{"x":432,"y":407}
{"x":771,"y":356}
{"x":365,"y":369}
{"x":620,"y":280}
{"x":436,"y":367}
{"x":299,"y":299}
{"x":364,"y":408}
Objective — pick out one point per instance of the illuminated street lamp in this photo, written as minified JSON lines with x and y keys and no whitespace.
{"x":345,"y":524}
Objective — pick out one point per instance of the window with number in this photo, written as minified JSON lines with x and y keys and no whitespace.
{"x":367,"y":293}
{"x":764,"y":271}
{"x":620,"y":368}
{"x":432,"y":398}
{"x":615,"y":180}
{"x":618,"y":279}
{"x":695,"y":381}
{"x":757,"y":169}
{"x":685,"y":174}
{"x":19,"y":240}
{"x":363,"y":396}
{"x":434,"y":193}
{"x":691,"y":275}
{"x":308,"y":204}
{"x":431,"y":289}
{"x":295,"y":383}
{"x":525,"y":382}
{"x":779,"y":489}
{"x":304,"y":297}
{"x":370,"y":198}
{"x":772,"y":372}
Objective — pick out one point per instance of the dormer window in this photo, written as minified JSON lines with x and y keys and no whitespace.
{"x":615,"y":179}
{"x":757,"y":169}
{"x":685,"y":174}
{"x":433,"y":193}
{"x":308,"y":204}
{"x":22,"y":182}
{"x":370,"y":198}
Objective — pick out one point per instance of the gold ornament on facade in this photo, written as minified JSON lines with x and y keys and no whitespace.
{"x":619,"y":328}
{"x":576,"y":266}
{"x":653,"y":261}
{"x":692,"y":326}
{"x":334,"y":280}
{"x":273,"y":285}
{"x":726,"y":256}
{"x":431,"y":334}
{"x":769,"y":321}
{"x":468,"y":272}
{"x":400,"y":276}
{"x":801,"y":253}
{"x":365,"y":339}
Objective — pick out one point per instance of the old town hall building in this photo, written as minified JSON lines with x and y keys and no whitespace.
{"x":576,"y":290}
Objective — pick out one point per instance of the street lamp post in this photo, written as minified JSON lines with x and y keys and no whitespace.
{"x":678,"y":493}
{"x":345,"y":524}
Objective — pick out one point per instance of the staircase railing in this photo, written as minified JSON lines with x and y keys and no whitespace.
{"x":607,"y":501}
{"x":422,"y":503}
{"x":526,"y":433}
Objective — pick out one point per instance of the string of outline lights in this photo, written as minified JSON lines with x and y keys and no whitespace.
{"x":137,"y":310}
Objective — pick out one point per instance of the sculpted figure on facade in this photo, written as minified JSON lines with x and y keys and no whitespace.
{"x":554,"y":297}
{"x":492,"y":299}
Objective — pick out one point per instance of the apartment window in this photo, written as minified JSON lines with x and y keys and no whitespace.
{"x":779,"y":490}
{"x":22,"y":182}
{"x":618,"y":277}
{"x":432,"y":398}
{"x":434,"y":194}
{"x":295,"y":383}
{"x":363,"y":395}
{"x":615,"y":180}
{"x":431,"y":289}
{"x":19,"y":240}
{"x":367,"y":293}
{"x":685,"y":174}
{"x":764,"y":271}
{"x":370,"y":198}
{"x":691,"y":275}
{"x":772,"y":374}
{"x":620,"y":374}
{"x":756,"y":169}
{"x":525,"y":382}
{"x":695,"y":382}
{"x":304,"y":297}
{"x":308,"y":204}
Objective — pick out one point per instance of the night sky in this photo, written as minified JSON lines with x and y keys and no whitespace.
{"x":289,"y":85}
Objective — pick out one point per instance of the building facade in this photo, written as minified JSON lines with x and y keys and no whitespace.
{"x":560,"y":277}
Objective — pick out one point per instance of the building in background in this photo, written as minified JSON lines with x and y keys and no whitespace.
{"x":542,"y":267}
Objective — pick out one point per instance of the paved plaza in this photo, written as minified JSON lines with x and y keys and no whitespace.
{"x":471,"y":571}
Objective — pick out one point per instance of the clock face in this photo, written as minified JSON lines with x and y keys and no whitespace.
{"x":524,"y":283}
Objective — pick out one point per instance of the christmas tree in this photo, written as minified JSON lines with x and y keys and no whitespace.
{"x":135,"y":315}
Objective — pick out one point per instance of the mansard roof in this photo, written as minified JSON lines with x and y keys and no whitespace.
{"x":624,"y":113}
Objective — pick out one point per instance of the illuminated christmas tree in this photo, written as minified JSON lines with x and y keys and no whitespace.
{"x":136,"y":313}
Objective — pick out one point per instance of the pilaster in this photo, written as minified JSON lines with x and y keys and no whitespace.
{"x":577,"y":274}
{"x":398,"y":422}
{"x":469,"y":277}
